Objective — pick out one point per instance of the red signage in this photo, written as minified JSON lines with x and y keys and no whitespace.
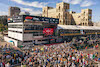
{"x":48,"y":31}
{"x":28,"y":17}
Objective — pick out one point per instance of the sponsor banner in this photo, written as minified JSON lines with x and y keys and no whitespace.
{"x":15,"y":19}
{"x":37,"y":18}
{"x":48,"y":31}
{"x":25,"y":18}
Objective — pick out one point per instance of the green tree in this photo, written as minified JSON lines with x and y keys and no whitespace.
{"x":1,"y":28}
{"x":3,"y":23}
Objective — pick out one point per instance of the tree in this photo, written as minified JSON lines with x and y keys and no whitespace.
{"x":3,"y":23}
{"x":1,"y":28}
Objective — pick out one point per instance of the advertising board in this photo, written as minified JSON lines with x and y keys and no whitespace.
{"x":15,"y":19}
{"x":38,"y":18}
{"x":48,"y":31}
{"x":24,"y":18}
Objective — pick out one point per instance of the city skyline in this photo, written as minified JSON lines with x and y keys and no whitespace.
{"x":35,"y":6}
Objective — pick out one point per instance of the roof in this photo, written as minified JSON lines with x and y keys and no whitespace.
{"x":78,"y":27}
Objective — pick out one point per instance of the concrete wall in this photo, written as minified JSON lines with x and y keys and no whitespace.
{"x":77,"y":18}
{"x":15,"y":29}
{"x":51,"y":13}
{"x":15,"y":35}
{"x":30,"y":36}
{"x":9,"y":39}
{"x":27,"y":36}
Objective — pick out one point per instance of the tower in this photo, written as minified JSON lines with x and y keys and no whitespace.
{"x":62,"y":10}
{"x":14,"y":11}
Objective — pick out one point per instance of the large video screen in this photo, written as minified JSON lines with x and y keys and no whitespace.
{"x":48,"y":31}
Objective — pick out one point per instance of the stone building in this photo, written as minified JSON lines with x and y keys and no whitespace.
{"x":66,"y":17}
{"x":14,"y":11}
{"x":97,"y":24}
{"x":61,"y":11}
{"x":84,"y":18}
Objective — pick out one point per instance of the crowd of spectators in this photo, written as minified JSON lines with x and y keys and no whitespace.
{"x":61,"y":55}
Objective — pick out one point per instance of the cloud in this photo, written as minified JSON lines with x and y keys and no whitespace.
{"x":76,"y":1}
{"x":87,"y":3}
{"x":68,"y":1}
{"x":32,"y":11}
{"x":33,"y":4}
{"x":26,"y":9}
{"x":83,"y":3}
{"x":73,"y":1}
{"x":3,"y":13}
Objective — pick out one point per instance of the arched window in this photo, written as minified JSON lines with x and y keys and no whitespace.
{"x":83,"y":23}
{"x":44,"y":11}
{"x":60,"y":21}
{"x":59,"y":8}
{"x":59,"y":15}
{"x":86,"y":24}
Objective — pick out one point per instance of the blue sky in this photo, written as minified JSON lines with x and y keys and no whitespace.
{"x":35,"y":6}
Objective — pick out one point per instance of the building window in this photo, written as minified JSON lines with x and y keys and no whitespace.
{"x":34,"y":27}
{"x":44,"y":11}
{"x":67,"y":10}
{"x":86,"y":24}
{"x":89,"y":19}
{"x":37,"y":34}
{"x":83,"y":18}
{"x":83,"y":23}
{"x":59,"y":8}
{"x":78,"y":16}
{"x":59,"y":15}
{"x":90,"y":14}
{"x":60,"y":21}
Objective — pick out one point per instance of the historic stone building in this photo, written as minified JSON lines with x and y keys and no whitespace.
{"x":14,"y":11}
{"x":84,"y":18}
{"x":67,"y":17}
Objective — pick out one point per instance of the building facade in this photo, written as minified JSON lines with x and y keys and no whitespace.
{"x":84,"y":18}
{"x":61,"y":11}
{"x":14,"y":11}
{"x":66,"y":17}
{"x":97,"y":24}
{"x":29,"y":30}
{"x":68,"y":32}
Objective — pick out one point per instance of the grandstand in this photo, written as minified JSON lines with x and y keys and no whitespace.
{"x":67,"y":32}
{"x":78,"y":27}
